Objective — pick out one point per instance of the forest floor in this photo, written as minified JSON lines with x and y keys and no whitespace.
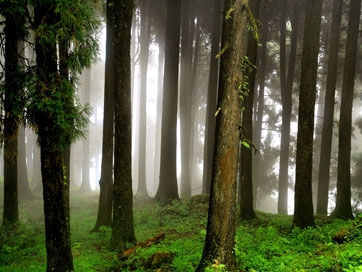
{"x":268,"y":243}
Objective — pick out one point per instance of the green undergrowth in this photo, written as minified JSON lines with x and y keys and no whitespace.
{"x":268,"y":243}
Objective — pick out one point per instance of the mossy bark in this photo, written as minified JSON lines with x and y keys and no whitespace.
{"x":220,"y":235}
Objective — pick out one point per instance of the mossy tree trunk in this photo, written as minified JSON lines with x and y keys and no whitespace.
{"x":246,"y":154}
{"x":220,"y":235}
{"x":123,"y":229}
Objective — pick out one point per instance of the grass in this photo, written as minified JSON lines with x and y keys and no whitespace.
{"x":267,"y":243}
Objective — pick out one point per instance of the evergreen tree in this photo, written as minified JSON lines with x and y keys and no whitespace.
{"x":53,"y":110}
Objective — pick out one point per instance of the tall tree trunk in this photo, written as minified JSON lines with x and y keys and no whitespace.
{"x":287,"y":89}
{"x":303,"y":202}
{"x":327,"y":130}
{"x":144,"y":52}
{"x":343,"y":207}
{"x":123,"y":228}
{"x":246,"y":154}
{"x":212,"y":97}
{"x":11,"y":122}
{"x":85,"y":184}
{"x":287,"y":106}
{"x":185,"y":97}
{"x":104,"y":215}
{"x":259,"y":106}
{"x":161,"y":54}
{"x":167,"y":189}
{"x":220,"y":234}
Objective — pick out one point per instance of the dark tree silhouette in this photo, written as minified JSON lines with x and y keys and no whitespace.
{"x":327,"y":130}
{"x":246,"y":153}
{"x":104,"y":215}
{"x":343,"y":207}
{"x":167,"y":189}
{"x":212,"y":97}
{"x":303,"y":203}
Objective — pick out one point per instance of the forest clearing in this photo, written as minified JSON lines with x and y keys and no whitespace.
{"x":268,"y":243}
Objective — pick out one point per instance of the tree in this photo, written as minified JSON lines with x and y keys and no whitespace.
{"x":14,"y":14}
{"x":327,"y":130}
{"x":144,"y":52}
{"x":303,"y":207}
{"x":53,"y":111}
{"x":246,"y":152}
{"x":123,"y":229}
{"x":24,"y":192}
{"x":220,"y":234}
{"x":343,"y":207}
{"x":104,"y":215}
{"x":167,"y":189}
{"x":186,"y":86}
{"x":212,"y":97}
{"x":286,"y":87}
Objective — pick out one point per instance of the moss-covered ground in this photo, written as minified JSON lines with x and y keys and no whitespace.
{"x":268,"y":243}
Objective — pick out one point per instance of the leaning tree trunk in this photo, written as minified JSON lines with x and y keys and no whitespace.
{"x":220,"y":235}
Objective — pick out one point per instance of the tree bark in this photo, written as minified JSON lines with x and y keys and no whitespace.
{"x":123,"y":228}
{"x":246,"y":154}
{"x":167,"y":189}
{"x":186,"y":89}
{"x":11,"y":122}
{"x":327,"y":130}
{"x":220,"y":234}
{"x":104,"y":215}
{"x":212,"y":97}
{"x":303,"y":202}
{"x":343,"y":207}
{"x":144,"y":52}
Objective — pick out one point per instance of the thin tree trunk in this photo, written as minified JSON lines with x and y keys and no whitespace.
{"x":212,"y":97}
{"x":104,"y":215}
{"x":327,"y":130}
{"x":144,"y":52}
